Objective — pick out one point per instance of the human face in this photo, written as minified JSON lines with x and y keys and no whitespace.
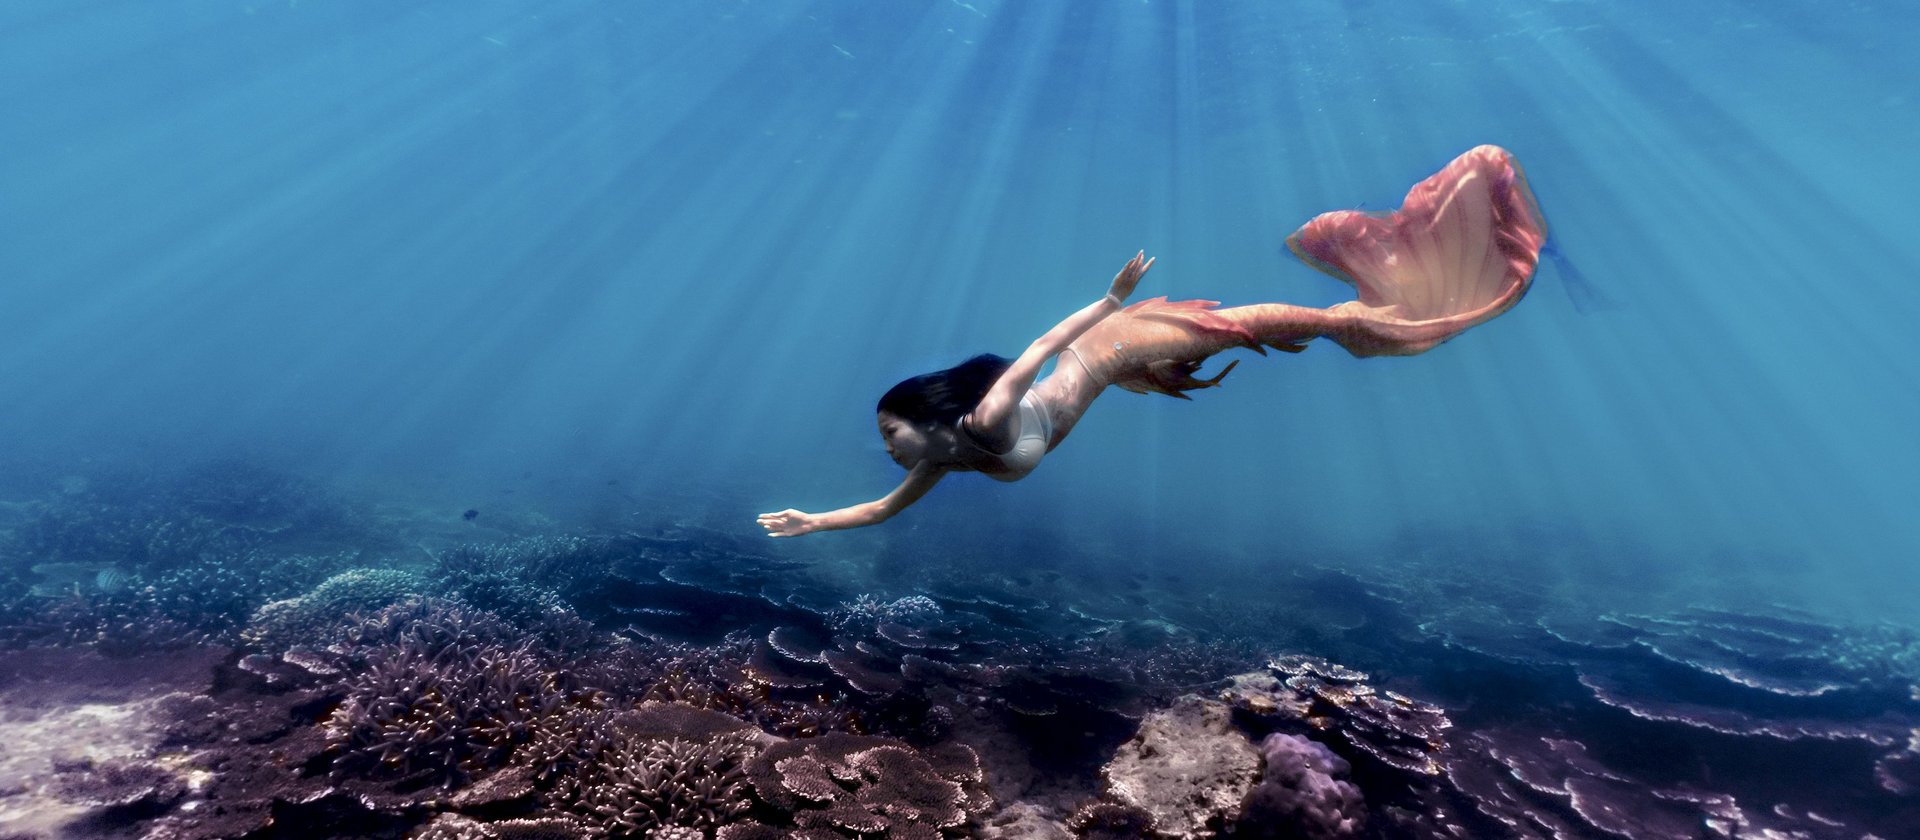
{"x":906,"y":443}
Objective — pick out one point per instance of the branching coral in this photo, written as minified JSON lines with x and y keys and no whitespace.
{"x":526,"y":578}
{"x":440,"y":716}
{"x":120,"y":611}
{"x":646,"y":784}
{"x":625,"y":773}
{"x":427,"y":624}
{"x":319,"y":613}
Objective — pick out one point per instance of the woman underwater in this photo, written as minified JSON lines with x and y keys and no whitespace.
{"x":1460,"y":250}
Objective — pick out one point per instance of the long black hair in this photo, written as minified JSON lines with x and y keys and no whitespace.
{"x":945,"y":396}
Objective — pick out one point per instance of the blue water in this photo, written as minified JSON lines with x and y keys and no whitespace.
{"x":687,"y":245}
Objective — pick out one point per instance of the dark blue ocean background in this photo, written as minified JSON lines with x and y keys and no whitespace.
{"x":497,"y":255}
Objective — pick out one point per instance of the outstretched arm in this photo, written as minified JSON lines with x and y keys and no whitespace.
{"x":793,"y":523}
{"x":998,"y":405}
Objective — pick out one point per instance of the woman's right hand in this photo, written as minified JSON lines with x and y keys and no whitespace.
{"x":1129,"y":277}
{"x":787,"y":523}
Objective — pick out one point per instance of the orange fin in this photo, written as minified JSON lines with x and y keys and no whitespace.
{"x":1173,"y":377}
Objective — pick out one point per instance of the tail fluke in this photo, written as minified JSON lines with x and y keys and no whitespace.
{"x":1461,"y":249}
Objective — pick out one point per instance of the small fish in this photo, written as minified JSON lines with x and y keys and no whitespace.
{"x":112,"y":580}
{"x":470,"y":515}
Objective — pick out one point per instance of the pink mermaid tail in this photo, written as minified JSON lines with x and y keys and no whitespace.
{"x":1461,"y":249}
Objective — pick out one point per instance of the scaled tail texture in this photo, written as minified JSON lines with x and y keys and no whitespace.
{"x":1143,"y":342}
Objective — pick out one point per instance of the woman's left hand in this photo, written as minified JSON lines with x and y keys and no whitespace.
{"x":1129,"y":277}
{"x":787,"y":523}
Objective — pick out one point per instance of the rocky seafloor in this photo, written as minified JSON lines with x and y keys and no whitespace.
{"x":230,"y":651}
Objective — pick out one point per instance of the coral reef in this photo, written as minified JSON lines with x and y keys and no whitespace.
{"x":425,"y":623}
{"x":147,"y":524}
{"x":320,"y":613}
{"x":724,"y":678}
{"x":459,"y":827}
{"x":134,"y":562}
{"x":674,"y":682}
{"x":910,"y":665}
{"x":1021,"y":821}
{"x":1301,"y":794}
{"x":869,"y":785}
{"x":655,"y":786}
{"x":525,"y":580}
{"x":1396,"y":730}
{"x":440,"y":716}
{"x":1899,"y":771}
{"x":1188,"y":768}
{"x":624,"y":772}
{"x":1102,"y":820}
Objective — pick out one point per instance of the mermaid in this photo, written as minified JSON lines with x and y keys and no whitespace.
{"x":1461,"y":249}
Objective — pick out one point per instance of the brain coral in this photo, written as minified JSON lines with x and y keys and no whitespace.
{"x":1300,"y":796}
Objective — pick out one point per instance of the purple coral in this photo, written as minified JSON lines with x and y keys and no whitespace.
{"x":630,"y":772}
{"x":1401,"y":732}
{"x":644,"y":785}
{"x":441,"y":716}
{"x":870,"y":785}
{"x":1300,"y":795}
